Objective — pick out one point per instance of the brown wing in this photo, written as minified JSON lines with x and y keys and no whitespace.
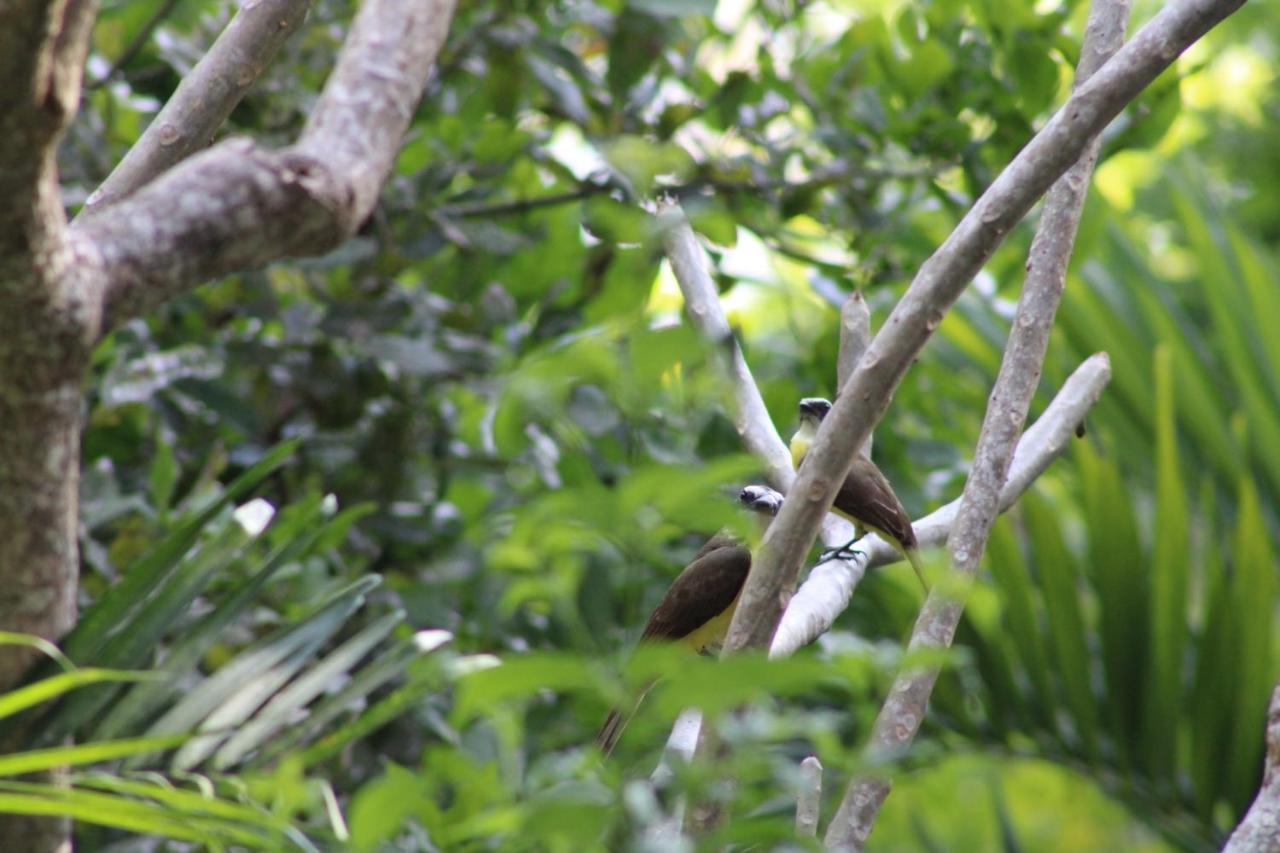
{"x":704,"y":590}
{"x":867,"y":497}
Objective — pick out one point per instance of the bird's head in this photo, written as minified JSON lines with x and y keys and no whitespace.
{"x":813,"y":410}
{"x":761,"y":499}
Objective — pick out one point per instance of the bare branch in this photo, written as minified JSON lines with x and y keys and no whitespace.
{"x":809,"y":797}
{"x":702,"y":305}
{"x":904,"y":709}
{"x":1260,"y":829}
{"x":855,"y":336}
{"x":205,"y":97}
{"x":826,"y":593}
{"x":936,"y":287}
{"x":359,"y":124}
{"x":237,"y":206}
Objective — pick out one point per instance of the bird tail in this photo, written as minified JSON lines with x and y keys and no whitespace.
{"x":611,"y":731}
{"x":616,"y":721}
{"x":913,"y":557}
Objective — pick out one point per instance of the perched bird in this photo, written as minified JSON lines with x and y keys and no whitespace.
{"x":865,"y":496}
{"x":697,"y":608}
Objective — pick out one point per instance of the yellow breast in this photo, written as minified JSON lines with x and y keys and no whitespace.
{"x":799,"y":447}
{"x":713,"y":631}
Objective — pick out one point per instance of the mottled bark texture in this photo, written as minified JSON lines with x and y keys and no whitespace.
{"x":904,"y":708}
{"x":936,"y":287}
{"x":237,"y":206}
{"x":233,"y":207}
{"x":48,"y":319}
{"x":1259,"y":831}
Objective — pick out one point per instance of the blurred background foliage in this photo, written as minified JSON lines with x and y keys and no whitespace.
{"x":525,"y":442}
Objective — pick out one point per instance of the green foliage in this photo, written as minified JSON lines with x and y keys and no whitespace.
{"x":493,"y":377}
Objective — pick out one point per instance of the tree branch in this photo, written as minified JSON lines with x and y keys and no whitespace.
{"x":829,"y":587}
{"x":237,"y":206}
{"x":205,"y":97}
{"x":904,"y":709}
{"x":936,"y":287}
{"x":1260,"y":828}
{"x":826,"y":593}
{"x":702,"y":305}
{"x":809,"y":797}
{"x":359,"y":123}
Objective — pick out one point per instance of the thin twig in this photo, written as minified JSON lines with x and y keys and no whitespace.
{"x":904,"y":709}
{"x":521,"y":205}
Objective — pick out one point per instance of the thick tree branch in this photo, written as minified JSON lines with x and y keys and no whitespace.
{"x":936,"y":287}
{"x":1260,"y":829}
{"x":359,"y":123}
{"x":237,"y":206}
{"x":904,"y":709}
{"x":205,"y":97}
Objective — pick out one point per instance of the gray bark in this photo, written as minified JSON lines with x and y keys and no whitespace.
{"x":1259,"y":830}
{"x":904,"y":708}
{"x":935,"y":288}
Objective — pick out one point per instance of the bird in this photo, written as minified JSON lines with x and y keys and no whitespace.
{"x":865,"y":497}
{"x":697,"y":608}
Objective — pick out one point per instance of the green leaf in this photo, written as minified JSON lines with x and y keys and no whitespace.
{"x":1116,"y":563}
{"x":1060,"y":578}
{"x":16,"y":764}
{"x":295,"y":530}
{"x":674,"y":8}
{"x":13,"y":638}
{"x":45,"y":689}
{"x":1170,"y":567}
{"x":1254,"y":590}
{"x":236,"y":690}
{"x":387,"y":667}
{"x":1012,"y":577}
{"x":126,"y":813}
{"x":642,"y":161}
{"x":163,"y":476}
{"x":519,"y":678}
{"x":617,"y":222}
{"x":280,"y":710}
{"x":147,"y":625}
{"x":114,"y":611}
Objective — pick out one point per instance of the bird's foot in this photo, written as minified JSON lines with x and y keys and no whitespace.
{"x":844,"y":552}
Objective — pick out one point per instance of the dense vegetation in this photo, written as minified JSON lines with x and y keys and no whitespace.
{"x":524,"y":442}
